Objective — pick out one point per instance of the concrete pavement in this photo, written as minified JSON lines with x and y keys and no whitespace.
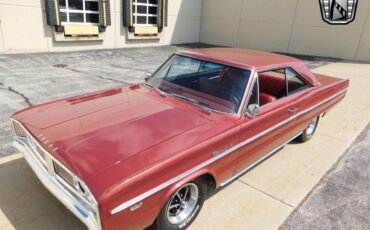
{"x":261,"y":199}
{"x":341,"y":200}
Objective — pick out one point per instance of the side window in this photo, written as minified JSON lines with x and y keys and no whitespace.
{"x":272,"y":86}
{"x":294,"y":82}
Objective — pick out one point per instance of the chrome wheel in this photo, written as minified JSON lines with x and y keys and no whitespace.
{"x":182,"y":203}
{"x":311,"y":127}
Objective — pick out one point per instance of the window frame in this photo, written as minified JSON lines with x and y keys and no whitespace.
{"x":256,"y":80}
{"x":83,"y":11}
{"x":147,"y":15}
{"x":247,"y":86}
{"x":308,"y":85}
{"x":257,"y":72}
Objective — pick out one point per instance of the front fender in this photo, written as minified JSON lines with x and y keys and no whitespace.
{"x":185,"y":180}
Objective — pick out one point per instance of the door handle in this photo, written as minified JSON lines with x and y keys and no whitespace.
{"x":293,"y":110}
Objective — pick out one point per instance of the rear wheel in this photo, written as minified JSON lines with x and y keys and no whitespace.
{"x":183,"y":206}
{"x":309,"y":131}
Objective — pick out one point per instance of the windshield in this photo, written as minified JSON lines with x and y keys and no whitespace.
{"x":216,"y":86}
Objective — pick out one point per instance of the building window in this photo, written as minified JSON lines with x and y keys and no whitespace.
{"x":79,"y":12}
{"x":145,"y":12}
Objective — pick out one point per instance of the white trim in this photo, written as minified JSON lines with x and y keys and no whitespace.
{"x":145,"y":15}
{"x":80,"y":11}
{"x":154,"y":190}
{"x":145,"y":4}
{"x":258,"y":161}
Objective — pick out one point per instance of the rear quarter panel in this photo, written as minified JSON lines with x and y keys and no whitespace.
{"x":323,"y":98}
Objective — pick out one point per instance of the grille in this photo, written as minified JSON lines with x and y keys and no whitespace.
{"x":19,"y":131}
{"x":60,"y":171}
{"x":36,"y":150}
{"x":41,"y":152}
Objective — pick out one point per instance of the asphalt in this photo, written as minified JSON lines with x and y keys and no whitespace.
{"x":342,"y":198}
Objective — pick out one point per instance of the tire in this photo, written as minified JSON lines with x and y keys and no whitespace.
{"x":309,"y":131}
{"x":184,"y":210}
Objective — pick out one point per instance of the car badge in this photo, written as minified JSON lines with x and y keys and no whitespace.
{"x":136,"y":206}
{"x":338,"y":12}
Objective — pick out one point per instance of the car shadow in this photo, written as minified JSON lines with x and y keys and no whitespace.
{"x":25,"y":204}
{"x":219,"y":189}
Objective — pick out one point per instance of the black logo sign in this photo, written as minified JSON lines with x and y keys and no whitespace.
{"x":338,"y":12}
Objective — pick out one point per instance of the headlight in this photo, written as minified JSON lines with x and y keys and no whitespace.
{"x":75,"y":182}
{"x":18,"y":130}
{"x":83,"y":190}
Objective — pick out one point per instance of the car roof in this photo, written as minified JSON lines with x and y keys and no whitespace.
{"x":244,"y":58}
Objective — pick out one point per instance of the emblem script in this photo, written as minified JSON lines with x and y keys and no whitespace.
{"x":338,"y":12}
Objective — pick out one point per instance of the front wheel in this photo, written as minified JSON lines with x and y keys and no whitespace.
{"x":309,"y":130}
{"x":183,"y":206}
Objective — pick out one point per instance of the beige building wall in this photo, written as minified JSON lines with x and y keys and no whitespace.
{"x":289,"y":26}
{"x":23,"y":28}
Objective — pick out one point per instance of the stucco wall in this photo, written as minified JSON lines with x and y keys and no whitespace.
{"x":290,"y":26}
{"x":23,"y":28}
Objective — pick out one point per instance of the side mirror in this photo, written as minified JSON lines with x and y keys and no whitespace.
{"x":253,"y":109}
{"x":147,"y":76}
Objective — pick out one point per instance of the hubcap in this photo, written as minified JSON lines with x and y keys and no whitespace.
{"x":182,"y":203}
{"x":311,"y":127}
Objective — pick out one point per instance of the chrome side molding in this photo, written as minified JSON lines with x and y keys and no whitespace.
{"x":272,"y":152}
{"x":181,"y":176}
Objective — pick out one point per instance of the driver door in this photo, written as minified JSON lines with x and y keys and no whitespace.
{"x":265,"y":132}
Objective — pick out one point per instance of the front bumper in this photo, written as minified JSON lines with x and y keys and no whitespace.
{"x":57,"y":186}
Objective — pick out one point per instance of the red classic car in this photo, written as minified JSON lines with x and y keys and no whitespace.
{"x":149,"y":154}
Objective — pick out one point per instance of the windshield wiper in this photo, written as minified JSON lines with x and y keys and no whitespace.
{"x":190,"y":100}
{"x":156,"y":89}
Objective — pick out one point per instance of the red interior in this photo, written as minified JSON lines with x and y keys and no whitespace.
{"x":272,"y":85}
{"x":266,"y":98}
{"x":271,"y":88}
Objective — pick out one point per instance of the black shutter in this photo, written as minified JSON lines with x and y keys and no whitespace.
{"x":165,"y":13}
{"x":105,"y":18}
{"x":162,"y":14}
{"x":159,"y":14}
{"x":106,"y":7}
{"x":127,"y":14}
{"x":52,"y":12}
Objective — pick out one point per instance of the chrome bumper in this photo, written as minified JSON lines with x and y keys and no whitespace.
{"x":60,"y":189}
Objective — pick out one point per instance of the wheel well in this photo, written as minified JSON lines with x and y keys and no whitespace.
{"x":211,"y":183}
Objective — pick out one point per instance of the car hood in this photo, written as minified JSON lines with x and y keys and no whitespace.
{"x":92,"y":132}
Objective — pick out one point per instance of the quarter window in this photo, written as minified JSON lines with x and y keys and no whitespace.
{"x":79,"y":11}
{"x":145,"y":12}
{"x":294,"y":82}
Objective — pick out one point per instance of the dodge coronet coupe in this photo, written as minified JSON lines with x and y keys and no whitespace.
{"x":149,"y":154}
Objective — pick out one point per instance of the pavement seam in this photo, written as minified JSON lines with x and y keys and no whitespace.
{"x":25,"y":98}
{"x":339,"y":73}
{"x":97,"y":76}
{"x":358,"y":139}
{"x":121,"y":67}
{"x":255,"y":188}
{"x":10,"y":158}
